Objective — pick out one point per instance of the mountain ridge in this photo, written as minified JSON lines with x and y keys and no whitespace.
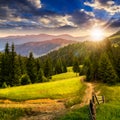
{"x":17,"y":40}
{"x":42,"y":47}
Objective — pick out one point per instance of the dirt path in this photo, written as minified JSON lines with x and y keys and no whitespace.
{"x":51,"y":115}
{"x":47,"y":109}
{"x":40,"y":109}
{"x":87,"y":96}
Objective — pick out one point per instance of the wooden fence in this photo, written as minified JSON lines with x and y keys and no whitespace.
{"x":92,"y":105}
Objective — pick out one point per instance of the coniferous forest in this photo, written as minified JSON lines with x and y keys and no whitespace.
{"x":100,"y":62}
{"x":16,"y":70}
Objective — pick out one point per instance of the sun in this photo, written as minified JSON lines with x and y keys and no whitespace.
{"x":97,"y":34}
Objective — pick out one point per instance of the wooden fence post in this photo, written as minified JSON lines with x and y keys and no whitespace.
{"x":103,"y":98}
{"x":93,"y":99}
{"x":97,"y":99}
{"x":93,"y":110}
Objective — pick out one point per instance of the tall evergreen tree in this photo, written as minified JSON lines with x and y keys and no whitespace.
{"x":87,"y":69}
{"x":106,"y":71}
{"x":58,"y":66}
{"x":5,"y":65}
{"x":76,"y":67}
{"x":7,"y":49}
{"x":64,"y":66}
{"x":117,"y":67}
{"x":22,"y":64}
{"x":48,"y":68}
{"x":31,"y":68}
{"x":15,"y":73}
{"x":41,"y":77}
{"x":38,"y":65}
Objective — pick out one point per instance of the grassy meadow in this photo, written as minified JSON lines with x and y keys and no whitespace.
{"x":110,"y":110}
{"x":53,"y":90}
{"x":61,"y":86}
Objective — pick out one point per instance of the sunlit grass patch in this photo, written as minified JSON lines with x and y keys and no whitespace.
{"x":57,"y":89}
{"x":63,"y":76}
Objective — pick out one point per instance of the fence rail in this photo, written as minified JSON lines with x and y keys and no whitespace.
{"x":92,"y":105}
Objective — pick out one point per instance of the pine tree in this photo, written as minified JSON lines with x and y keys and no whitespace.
{"x":106,"y":72}
{"x":12,"y":66}
{"x":76,"y":67}
{"x":7,"y":48}
{"x":24,"y":80}
{"x":87,"y":69}
{"x":58,"y":66}
{"x":5,"y":66}
{"x":64,"y":67}
{"x":38,"y":65}
{"x":15,"y":73}
{"x":48,"y":68}
{"x":22,"y":66}
{"x":31,"y":68}
{"x":117,"y":66}
{"x":41,"y":77}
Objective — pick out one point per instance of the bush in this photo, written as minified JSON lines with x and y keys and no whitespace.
{"x":25,"y":80}
{"x":44,"y":79}
{"x":4,"y":85}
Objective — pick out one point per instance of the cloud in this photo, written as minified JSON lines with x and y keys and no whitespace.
{"x":115,"y":23}
{"x":107,"y":5}
{"x":36,"y":3}
{"x":56,"y":15}
{"x":56,"y":21}
{"x":81,"y":18}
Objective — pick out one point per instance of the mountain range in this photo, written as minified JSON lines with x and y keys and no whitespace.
{"x":39,"y":44}
{"x":41,"y":48}
{"x":36,"y":38}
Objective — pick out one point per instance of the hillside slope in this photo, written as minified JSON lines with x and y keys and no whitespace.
{"x":40,"y":48}
{"x":83,"y":49}
{"x":17,"y":40}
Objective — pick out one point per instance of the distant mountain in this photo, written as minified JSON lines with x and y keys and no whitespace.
{"x":41,"y":48}
{"x":82,"y":49}
{"x":17,"y":40}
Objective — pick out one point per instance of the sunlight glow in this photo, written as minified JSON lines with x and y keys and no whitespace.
{"x":97,"y":34}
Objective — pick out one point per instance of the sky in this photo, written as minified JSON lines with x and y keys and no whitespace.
{"x":75,"y":17}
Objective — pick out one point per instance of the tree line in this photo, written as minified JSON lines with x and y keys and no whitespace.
{"x":100,"y":60}
{"x":102,"y":65}
{"x":17,"y":70}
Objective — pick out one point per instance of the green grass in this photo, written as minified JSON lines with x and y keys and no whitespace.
{"x":110,"y":110}
{"x":80,"y":114}
{"x":111,"y":93}
{"x":11,"y":113}
{"x":65,"y":85}
{"x":70,"y":69}
{"x":57,"y":89}
{"x":63,"y":76}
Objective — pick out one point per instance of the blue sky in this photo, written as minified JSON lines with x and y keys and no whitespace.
{"x":75,"y":17}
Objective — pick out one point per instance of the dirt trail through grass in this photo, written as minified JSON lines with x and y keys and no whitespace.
{"x":87,"y":96}
{"x":47,"y":109}
{"x":40,"y":109}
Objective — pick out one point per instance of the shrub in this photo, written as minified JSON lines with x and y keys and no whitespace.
{"x":25,"y":80}
{"x":4,"y":85}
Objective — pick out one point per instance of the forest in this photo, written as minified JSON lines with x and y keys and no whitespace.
{"x":100,"y":62}
{"x":17,"y":70}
